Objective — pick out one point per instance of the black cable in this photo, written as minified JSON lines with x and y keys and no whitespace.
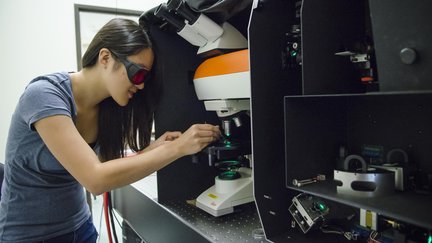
{"x":118,"y":221}
{"x":329,"y":229}
{"x":111,"y":217}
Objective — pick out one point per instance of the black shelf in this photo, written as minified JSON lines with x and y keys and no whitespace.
{"x":317,"y":125}
{"x":409,"y":207}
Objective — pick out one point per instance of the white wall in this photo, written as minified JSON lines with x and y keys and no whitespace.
{"x":38,"y":37}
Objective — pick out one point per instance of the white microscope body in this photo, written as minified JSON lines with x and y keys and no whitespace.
{"x":223,"y":83}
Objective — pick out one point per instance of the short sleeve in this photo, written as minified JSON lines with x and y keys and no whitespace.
{"x":42,"y":99}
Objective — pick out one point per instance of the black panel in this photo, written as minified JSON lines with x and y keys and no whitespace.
{"x":399,"y":24}
{"x":271,"y":79}
{"x":329,"y":27}
{"x":312,"y":144}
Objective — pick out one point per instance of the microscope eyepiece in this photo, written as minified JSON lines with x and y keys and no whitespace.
{"x":184,"y":10}
{"x":163,"y":12}
{"x":173,"y":4}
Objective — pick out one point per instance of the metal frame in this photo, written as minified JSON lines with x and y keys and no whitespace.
{"x":79,"y":8}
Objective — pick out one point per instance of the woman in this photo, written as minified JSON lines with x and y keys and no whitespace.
{"x":63,"y":118}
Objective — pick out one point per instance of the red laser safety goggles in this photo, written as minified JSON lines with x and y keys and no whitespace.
{"x":136,"y":73}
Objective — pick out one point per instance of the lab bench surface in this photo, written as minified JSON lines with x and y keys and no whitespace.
{"x":180,"y":221}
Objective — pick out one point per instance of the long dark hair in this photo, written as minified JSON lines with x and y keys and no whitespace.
{"x":128,"y":126}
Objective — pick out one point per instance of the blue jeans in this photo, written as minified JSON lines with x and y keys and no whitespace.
{"x":85,"y":234}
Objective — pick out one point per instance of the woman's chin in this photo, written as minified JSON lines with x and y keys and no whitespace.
{"x":122,"y":102}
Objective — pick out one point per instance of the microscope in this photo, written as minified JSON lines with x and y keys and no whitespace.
{"x":222,"y":81}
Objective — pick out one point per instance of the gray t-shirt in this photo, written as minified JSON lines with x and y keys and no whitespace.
{"x":40,"y":199}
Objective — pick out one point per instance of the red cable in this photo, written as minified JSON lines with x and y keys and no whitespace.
{"x":105,"y":207}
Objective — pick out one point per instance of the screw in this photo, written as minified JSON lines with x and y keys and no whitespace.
{"x":305,"y":183}
{"x":295,"y":181}
{"x":299,"y":183}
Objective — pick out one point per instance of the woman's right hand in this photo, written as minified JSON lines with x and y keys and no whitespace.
{"x":197,"y":137}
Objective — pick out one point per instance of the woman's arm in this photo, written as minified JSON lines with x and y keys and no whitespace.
{"x":70,"y":149}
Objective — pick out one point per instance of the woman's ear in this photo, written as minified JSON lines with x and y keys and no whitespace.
{"x":104,"y":57}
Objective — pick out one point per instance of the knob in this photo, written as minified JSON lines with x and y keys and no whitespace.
{"x":408,"y":55}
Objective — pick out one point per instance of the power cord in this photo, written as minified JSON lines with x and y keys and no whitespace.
{"x":329,"y":229}
{"x":372,"y":236}
{"x":105,"y":203}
